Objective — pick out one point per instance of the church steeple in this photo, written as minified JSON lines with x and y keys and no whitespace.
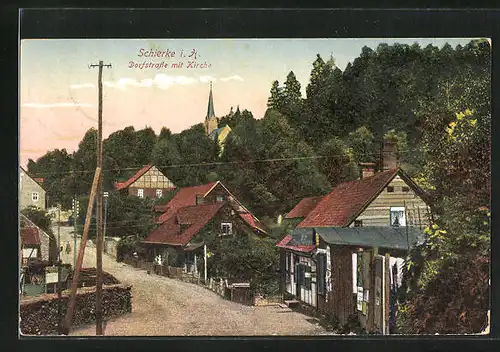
{"x":210,"y":110}
{"x":210,"y":120}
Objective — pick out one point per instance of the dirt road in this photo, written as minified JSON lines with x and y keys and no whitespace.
{"x":167,"y":307}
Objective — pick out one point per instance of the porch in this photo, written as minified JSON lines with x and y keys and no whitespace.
{"x":187,"y":259}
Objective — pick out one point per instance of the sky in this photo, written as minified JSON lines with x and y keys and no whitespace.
{"x":59,"y":95}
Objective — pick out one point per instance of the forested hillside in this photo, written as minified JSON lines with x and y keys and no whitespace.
{"x":303,"y":145}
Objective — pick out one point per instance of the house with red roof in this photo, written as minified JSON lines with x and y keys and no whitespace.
{"x":147,"y":182}
{"x":35,"y":243}
{"x":191,"y":215}
{"x":345,"y":243}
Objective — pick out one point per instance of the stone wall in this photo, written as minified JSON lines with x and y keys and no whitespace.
{"x":39,"y":315}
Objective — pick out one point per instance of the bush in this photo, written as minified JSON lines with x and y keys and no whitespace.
{"x":455,"y":301}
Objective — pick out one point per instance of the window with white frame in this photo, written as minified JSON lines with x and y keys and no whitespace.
{"x":398,"y":217}
{"x":226,"y":228}
{"x":159,"y":193}
{"x":140,"y":193}
{"x":34,"y":196}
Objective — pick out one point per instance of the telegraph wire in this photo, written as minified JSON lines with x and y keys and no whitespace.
{"x":216,"y":163}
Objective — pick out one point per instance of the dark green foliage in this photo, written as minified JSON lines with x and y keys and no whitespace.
{"x":246,"y":258}
{"x":40,"y":218}
{"x":127,"y":215}
{"x":448,"y":274}
{"x":54,"y":167}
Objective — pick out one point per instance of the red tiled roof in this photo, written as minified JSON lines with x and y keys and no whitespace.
{"x":299,"y":248}
{"x":252,"y":221}
{"x":160,"y":208}
{"x":184,"y":198}
{"x":197,"y":216}
{"x":30,"y":236}
{"x":122,"y":185}
{"x":38,"y":179}
{"x":304,"y":207}
{"x":347,"y":200}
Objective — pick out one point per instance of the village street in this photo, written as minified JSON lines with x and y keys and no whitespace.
{"x":167,"y":307}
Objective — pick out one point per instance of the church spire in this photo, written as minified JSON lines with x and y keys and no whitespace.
{"x":210,"y":110}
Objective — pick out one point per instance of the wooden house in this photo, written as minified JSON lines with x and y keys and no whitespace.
{"x":31,"y":191}
{"x":344,"y":238}
{"x":147,"y":182}
{"x":194,"y":211}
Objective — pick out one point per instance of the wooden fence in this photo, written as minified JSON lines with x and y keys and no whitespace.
{"x":236,"y":293}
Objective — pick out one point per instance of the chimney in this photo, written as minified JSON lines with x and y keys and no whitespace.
{"x":389,"y":159}
{"x":366,"y":170}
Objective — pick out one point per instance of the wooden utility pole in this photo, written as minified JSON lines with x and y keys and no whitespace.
{"x":98,"y":294}
{"x":79,"y":261}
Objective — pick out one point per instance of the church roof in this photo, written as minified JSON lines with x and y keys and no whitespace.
{"x":210,"y":110}
{"x":220,"y":133}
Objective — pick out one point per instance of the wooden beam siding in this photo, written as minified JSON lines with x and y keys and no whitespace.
{"x":340,"y":301}
{"x":153,"y":178}
{"x":378,"y":212}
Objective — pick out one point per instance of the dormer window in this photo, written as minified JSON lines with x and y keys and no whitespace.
{"x":199,"y":199}
{"x":219,"y":199}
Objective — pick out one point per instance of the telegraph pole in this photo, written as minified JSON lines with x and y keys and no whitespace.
{"x":98,"y":303}
{"x":76,"y":212}
{"x":59,"y":231}
{"x":106,"y":195}
{"x":59,"y":288}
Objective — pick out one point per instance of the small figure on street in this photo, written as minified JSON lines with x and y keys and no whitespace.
{"x":68,"y":248}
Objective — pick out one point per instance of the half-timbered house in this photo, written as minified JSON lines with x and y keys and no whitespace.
{"x":147,"y":182}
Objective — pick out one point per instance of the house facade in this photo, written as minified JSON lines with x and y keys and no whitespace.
{"x":31,"y":191}
{"x":340,"y":257}
{"x":191,"y":215}
{"x":35,"y":243}
{"x":147,"y":182}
